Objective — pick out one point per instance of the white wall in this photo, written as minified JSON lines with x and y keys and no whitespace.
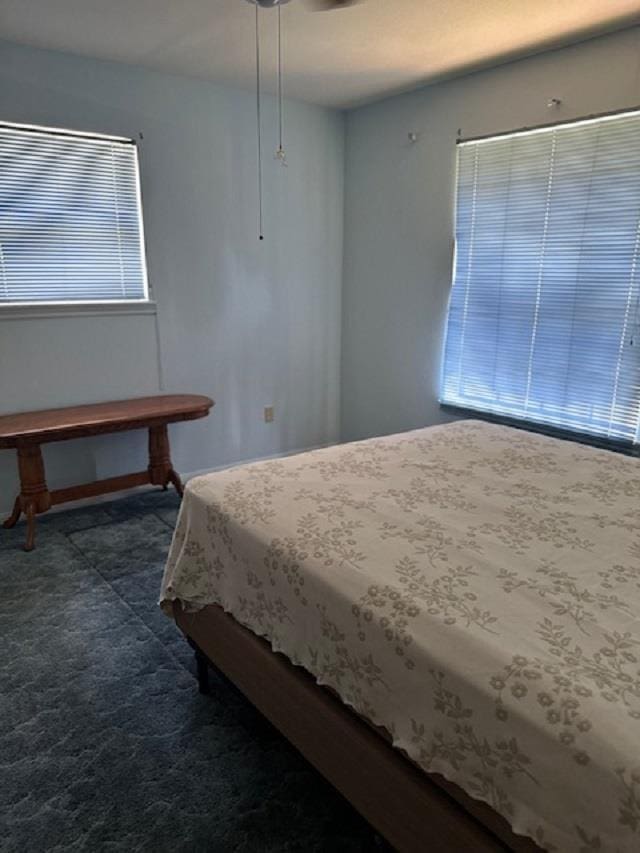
{"x":399,"y":210}
{"x":255,"y":324}
{"x":250,"y":324}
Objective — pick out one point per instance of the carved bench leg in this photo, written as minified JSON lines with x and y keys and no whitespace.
{"x":161,"y":471}
{"x":177,"y":482}
{"x":15,"y":515}
{"x":34,"y":495}
{"x":30,"y":512}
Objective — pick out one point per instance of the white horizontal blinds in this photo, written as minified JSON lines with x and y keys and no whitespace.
{"x":70,"y":218}
{"x":544,"y":317}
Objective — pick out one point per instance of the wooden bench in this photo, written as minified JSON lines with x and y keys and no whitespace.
{"x":27,"y":431}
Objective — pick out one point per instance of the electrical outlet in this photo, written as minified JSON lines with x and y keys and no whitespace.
{"x":268,"y":414}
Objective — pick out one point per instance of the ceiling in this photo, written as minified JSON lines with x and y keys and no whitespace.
{"x":341,"y":58}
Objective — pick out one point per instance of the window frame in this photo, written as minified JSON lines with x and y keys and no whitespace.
{"x":628,"y":448}
{"x":26,"y":309}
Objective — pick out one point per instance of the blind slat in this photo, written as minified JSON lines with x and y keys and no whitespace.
{"x":544,"y":315}
{"x":70,"y":218}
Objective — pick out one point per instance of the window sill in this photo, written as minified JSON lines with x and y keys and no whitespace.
{"x":566,"y":434}
{"x":77,"y":309}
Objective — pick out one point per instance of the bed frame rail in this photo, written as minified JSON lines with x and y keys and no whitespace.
{"x":413,"y":810}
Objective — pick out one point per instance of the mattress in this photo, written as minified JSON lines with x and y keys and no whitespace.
{"x":472,"y":588}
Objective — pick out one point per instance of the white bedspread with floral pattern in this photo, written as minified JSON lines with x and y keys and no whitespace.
{"x":475,"y":589}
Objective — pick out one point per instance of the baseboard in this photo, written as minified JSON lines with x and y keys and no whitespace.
{"x":279,"y":455}
{"x":185,"y":476}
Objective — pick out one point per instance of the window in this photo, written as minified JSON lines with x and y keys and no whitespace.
{"x":544,"y":316}
{"x":70,"y":218}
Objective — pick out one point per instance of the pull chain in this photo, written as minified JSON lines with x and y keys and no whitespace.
{"x":258,"y":124}
{"x":280,"y":153}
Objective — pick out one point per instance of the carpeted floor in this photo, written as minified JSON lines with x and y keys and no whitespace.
{"x":105,"y":742}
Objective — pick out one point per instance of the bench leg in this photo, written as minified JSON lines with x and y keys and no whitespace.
{"x":177,"y":482}
{"x":161,"y":471}
{"x":15,"y":515}
{"x":34,"y":495}
{"x":30,"y":512}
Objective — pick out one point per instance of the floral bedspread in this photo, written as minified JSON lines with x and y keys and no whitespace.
{"x":475,"y":589}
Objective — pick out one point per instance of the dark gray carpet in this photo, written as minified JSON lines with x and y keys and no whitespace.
{"x":105,"y":743}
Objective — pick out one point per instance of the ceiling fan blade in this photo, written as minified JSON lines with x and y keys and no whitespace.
{"x":329,"y":5}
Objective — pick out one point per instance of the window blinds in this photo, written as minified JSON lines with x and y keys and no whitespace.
{"x":544,"y":315}
{"x":70,"y":218}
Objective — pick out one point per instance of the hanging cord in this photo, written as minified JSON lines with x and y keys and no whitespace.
{"x":258,"y":123}
{"x":280,"y":77}
{"x":280,"y":153}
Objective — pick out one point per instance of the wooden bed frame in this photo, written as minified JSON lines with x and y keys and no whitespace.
{"x":415,"y":811}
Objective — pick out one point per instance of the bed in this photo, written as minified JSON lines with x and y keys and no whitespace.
{"x":445,"y":622}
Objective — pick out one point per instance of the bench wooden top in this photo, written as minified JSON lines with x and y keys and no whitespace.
{"x":75,"y":421}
